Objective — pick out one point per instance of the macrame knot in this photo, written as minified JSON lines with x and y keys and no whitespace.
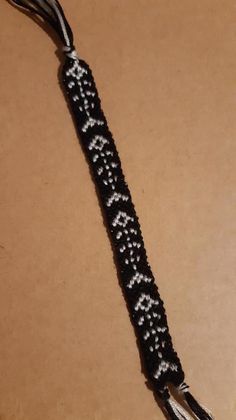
{"x":70,"y":52}
{"x":183,"y":387}
{"x":164,"y":395}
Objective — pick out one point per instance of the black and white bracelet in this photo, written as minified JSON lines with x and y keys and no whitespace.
{"x":162,"y":365}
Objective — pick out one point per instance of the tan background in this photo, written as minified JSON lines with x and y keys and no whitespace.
{"x":166,"y":73}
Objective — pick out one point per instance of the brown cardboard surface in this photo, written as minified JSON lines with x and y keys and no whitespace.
{"x":166,"y":73}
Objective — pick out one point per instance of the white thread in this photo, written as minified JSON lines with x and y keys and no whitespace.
{"x":63,"y":27}
{"x":97,"y":142}
{"x":138,"y":278}
{"x":72,"y":54}
{"x":118,"y":235}
{"x":90,"y":123}
{"x":163,"y":367}
{"x":116,"y":197}
{"x":141,"y":320}
{"x":71,"y":84}
{"x":148,"y":302}
{"x":178,"y":410}
{"x":121,"y":219}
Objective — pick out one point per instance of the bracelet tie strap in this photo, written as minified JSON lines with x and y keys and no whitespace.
{"x":147,"y":313}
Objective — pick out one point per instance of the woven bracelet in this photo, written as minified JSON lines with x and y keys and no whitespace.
{"x":162,"y":366}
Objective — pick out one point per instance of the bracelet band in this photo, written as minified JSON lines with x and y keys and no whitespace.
{"x":147,"y":313}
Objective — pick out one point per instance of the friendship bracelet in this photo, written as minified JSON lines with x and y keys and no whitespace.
{"x":147,"y":313}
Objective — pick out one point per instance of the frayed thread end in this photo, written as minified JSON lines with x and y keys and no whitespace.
{"x":200,"y":412}
{"x":175,"y":411}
